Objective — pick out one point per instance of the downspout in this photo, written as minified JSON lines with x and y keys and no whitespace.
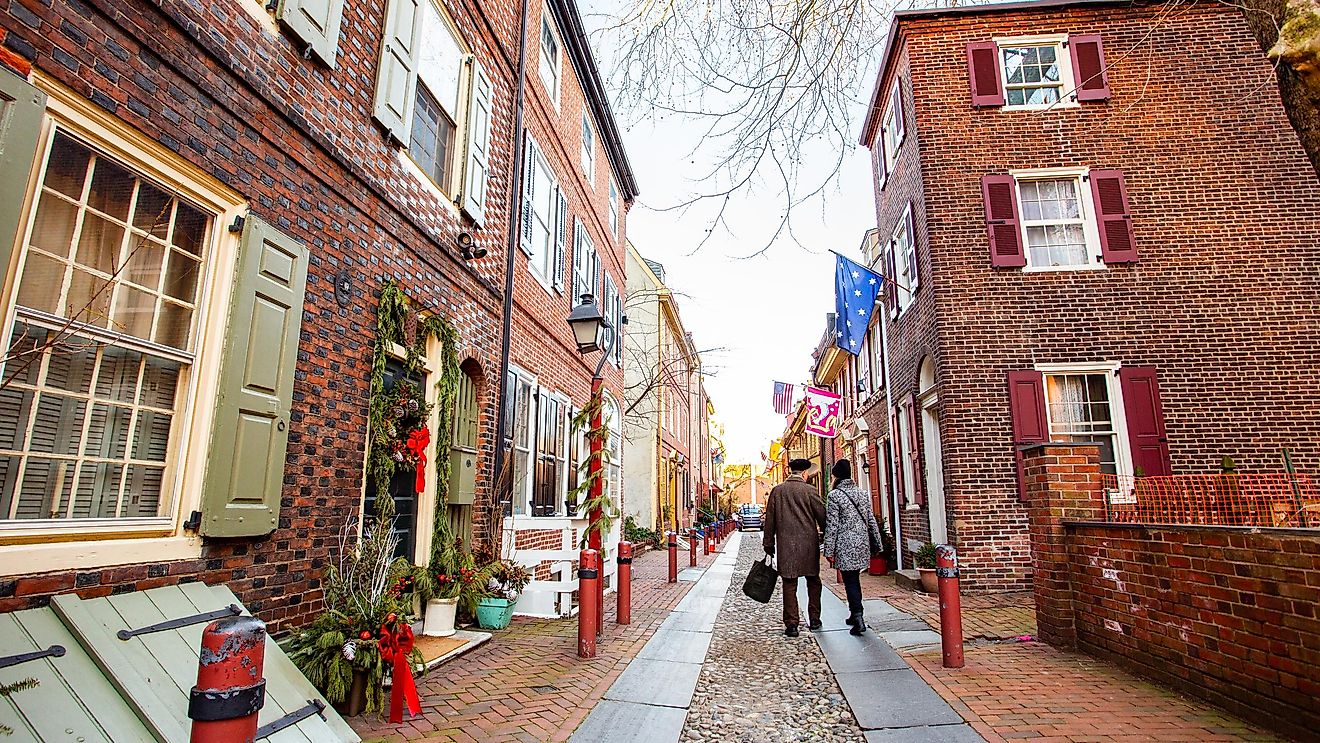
{"x":893,"y":440}
{"x":515,"y":222}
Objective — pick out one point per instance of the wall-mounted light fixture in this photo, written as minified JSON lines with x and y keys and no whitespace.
{"x":470,"y":251}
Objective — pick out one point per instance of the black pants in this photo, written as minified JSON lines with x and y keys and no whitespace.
{"x":852,"y":585}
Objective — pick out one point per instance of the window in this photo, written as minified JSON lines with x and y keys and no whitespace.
{"x":892,"y":131}
{"x":519,"y":428}
{"x":877,"y":376}
{"x":588,"y":151}
{"x":1037,"y":72}
{"x":435,"y":111}
{"x":1078,"y":409}
{"x":543,"y":201}
{"x":102,"y":343}
{"x":612,"y":309}
{"x":1033,"y":74}
{"x":551,"y":454}
{"x":863,"y":362}
{"x":1054,"y":222}
{"x":614,"y":210}
{"x":902,"y":260}
{"x":549,"y":66}
{"x":586,"y":267}
{"x":614,"y":479}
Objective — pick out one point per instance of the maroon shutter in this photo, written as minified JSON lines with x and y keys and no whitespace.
{"x":914,"y":456}
{"x":1109,"y":193}
{"x":983,"y":72}
{"x":1026,"y":399}
{"x":1145,"y":420}
{"x":891,"y":286}
{"x":1001,"y":221}
{"x":897,"y":451}
{"x":1088,"y":59}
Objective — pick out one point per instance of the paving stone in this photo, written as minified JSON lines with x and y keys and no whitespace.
{"x":902,"y":623}
{"x":887,"y":699}
{"x":659,"y":682}
{"x":691,"y":574}
{"x":926,"y":734}
{"x":677,"y":645}
{"x":623,"y":722}
{"x":848,"y":653}
{"x":690,"y":621}
{"x":912,"y":638}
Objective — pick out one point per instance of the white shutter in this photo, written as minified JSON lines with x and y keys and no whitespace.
{"x":529,"y":193}
{"x":579,"y":280}
{"x":316,"y":23}
{"x":396,"y":78}
{"x":561,"y":237}
{"x":896,"y":101}
{"x":477,"y":160}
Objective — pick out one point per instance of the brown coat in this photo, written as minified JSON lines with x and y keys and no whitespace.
{"x":794,"y":519}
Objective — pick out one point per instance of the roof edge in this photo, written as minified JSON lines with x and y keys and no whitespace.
{"x":584,"y":62}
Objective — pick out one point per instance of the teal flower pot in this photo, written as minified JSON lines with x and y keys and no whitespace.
{"x":494,"y":613}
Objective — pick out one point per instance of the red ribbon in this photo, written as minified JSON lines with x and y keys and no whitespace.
{"x":394,"y":648}
{"x":417,"y":443}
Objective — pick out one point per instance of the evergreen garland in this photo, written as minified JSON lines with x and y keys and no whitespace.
{"x":604,"y":502}
{"x":7,"y":689}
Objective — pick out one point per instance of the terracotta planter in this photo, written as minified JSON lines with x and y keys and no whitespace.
{"x":355,"y":703}
{"x":929,"y":582}
{"x":440,"y":615}
{"x":879,"y":566}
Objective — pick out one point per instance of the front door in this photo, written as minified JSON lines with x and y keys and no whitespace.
{"x":403,"y":485}
{"x":930,"y":432}
{"x":463,"y":460}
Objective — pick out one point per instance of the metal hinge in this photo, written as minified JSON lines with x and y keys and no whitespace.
{"x":313,"y":707}
{"x":232,"y":610}
{"x":54,"y":651}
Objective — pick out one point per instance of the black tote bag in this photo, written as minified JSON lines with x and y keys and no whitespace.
{"x":761,"y":581}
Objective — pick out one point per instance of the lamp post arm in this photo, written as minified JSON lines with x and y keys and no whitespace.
{"x":605,"y":352}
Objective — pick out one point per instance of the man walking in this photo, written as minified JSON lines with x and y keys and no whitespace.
{"x":794,"y":519}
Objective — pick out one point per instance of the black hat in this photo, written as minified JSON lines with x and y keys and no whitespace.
{"x":799,"y":465}
{"x":842,"y":470}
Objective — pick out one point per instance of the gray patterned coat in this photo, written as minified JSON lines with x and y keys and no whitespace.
{"x":848,"y":518}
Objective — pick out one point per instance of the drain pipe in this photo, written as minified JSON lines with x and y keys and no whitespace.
{"x":515,"y":222}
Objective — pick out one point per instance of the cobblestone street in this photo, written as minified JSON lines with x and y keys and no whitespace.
{"x":757,"y":684}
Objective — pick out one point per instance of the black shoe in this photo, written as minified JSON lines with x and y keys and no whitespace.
{"x":852,"y":619}
{"x":859,"y":627}
{"x":815,"y":625}
{"x":791,"y":630}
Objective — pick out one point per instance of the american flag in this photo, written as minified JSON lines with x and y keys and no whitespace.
{"x":783,"y":398}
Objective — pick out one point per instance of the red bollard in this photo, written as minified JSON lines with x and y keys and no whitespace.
{"x":588,"y":600}
{"x":946,"y":569}
{"x":623,"y":615}
{"x":692,"y":548}
{"x":673,"y":557}
{"x":230,"y":686}
{"x":705,"y":538}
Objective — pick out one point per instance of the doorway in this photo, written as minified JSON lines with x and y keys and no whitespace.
{"x":930,"y":433}
{"x":403,"y":484}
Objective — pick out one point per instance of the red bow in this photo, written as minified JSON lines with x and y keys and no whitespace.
{"x":417,"y":443}
{"x":394,"y":648}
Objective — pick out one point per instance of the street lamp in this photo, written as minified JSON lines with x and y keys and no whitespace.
{"x":593,"y":333}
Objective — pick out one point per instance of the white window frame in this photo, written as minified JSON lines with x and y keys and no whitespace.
{"x":907,"y":282}
{"x":614,"y":209}
{"x":589,"y":151}
{"x":1067,"y":87}
{"x":585,"y":261}
{"x":1089,"y":228}
{"x":892,"y":116}
{"x":541,"y":260}
{"x":905,"y":447}
{"x":524,"y":498}
{"x":67,"y":543}
{"x":1117,"y":409}
{"x":458,"y":152}
{"x":554,"y":67}
{"x":561,"y":484}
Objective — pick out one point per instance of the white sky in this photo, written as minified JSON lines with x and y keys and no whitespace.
{"x":765,"y":314}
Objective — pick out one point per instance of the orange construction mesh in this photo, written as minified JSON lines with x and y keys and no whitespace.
{"x":1269,"y":500}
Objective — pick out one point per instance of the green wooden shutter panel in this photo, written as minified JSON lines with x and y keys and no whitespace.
{"x":241,"y":496}
{"x":396,"y":78}
{"x":316,"y":23}
{"x":478,"y":145}
{"x":21,"y":109}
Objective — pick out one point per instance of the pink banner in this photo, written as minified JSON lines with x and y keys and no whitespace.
{"x":823,"y":410}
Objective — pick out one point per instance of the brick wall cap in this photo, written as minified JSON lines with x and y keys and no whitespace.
{"x":1031,"y":449}
{"x":1265,"y":530}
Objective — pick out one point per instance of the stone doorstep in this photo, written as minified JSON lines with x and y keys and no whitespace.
{"x":474,"y":641}
{"x":909,"y":579}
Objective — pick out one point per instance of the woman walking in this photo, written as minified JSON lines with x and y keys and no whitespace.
{"x":851,"y":536}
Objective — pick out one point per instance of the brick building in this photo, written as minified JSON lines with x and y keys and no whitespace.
{"x":1100,"y":226}
{"x":577,"y":190}
{"x":174,"y":172}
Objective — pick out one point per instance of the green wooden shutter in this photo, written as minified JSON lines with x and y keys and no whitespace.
{"x":396,"y":78}
{"x":316,"y":23}
{"x":241,"y":496}
{"x":21,"y":109}
{"x":477,"y":164}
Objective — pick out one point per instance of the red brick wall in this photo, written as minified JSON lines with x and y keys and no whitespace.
{"x":1224,"y":207}
{"x":1225,"y":613}
{"x":297,"y":140}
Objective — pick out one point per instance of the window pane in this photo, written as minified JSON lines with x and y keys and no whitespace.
{"x":88,"y":300}
{"x":15,"y":409}
{"x":160,"y":380}
{"x":107,"y":432}
{"x":46,"y":488}
{"x":98,"y":490}
{"x":175,"y":325}
{"x":57,"y":426}
{"x":112,"y":189}
{"x":43,"y":278}
{"x":142,"y":491}
{"x":134,"y":311}
{"x":52,"y":231}
{"x":440,"y":59}
{"x":72,"y":360}
{"x":66,"y":170}
{"x":190,"y":229}
{"x":118,"y":377}
{"x":145,"y":262}
{"x":152,"y":212}
{"x":99,"y":243}
{"x":152,"y":438}
{"x":181,"y":276}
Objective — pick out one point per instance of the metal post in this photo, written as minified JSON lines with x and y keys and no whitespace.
{"x":623,"y":615}
{"x":946,"y":569}
{"x":596,"y":471}
{"x":230,"y":688}
{"x":588,"y":596}
{"x":673,"y":557}
{"x":705,"y":538}
{"x":692,"y":548}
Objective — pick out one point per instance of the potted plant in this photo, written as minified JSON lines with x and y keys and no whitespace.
{"x":507,"y":580}
{"x":453,"y":586}
{"x":366,"y":592}
{"x":925,"y":559}
{"x":880,"y":563}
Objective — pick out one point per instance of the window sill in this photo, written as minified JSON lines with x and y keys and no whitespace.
{"x":425,"y":181}
{"x":543,"y":281}
{"x":1063,"y":269}
{"x":50,"y":557}
{"x":1042,"y":107}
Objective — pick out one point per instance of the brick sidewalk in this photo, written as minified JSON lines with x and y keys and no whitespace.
{"x":527,"y":683}
{"x":1029,"y":690}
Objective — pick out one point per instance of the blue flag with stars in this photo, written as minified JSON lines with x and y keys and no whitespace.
{"x":855,"y":290}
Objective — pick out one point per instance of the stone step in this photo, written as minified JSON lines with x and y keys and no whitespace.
{"x":909,"y":579}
